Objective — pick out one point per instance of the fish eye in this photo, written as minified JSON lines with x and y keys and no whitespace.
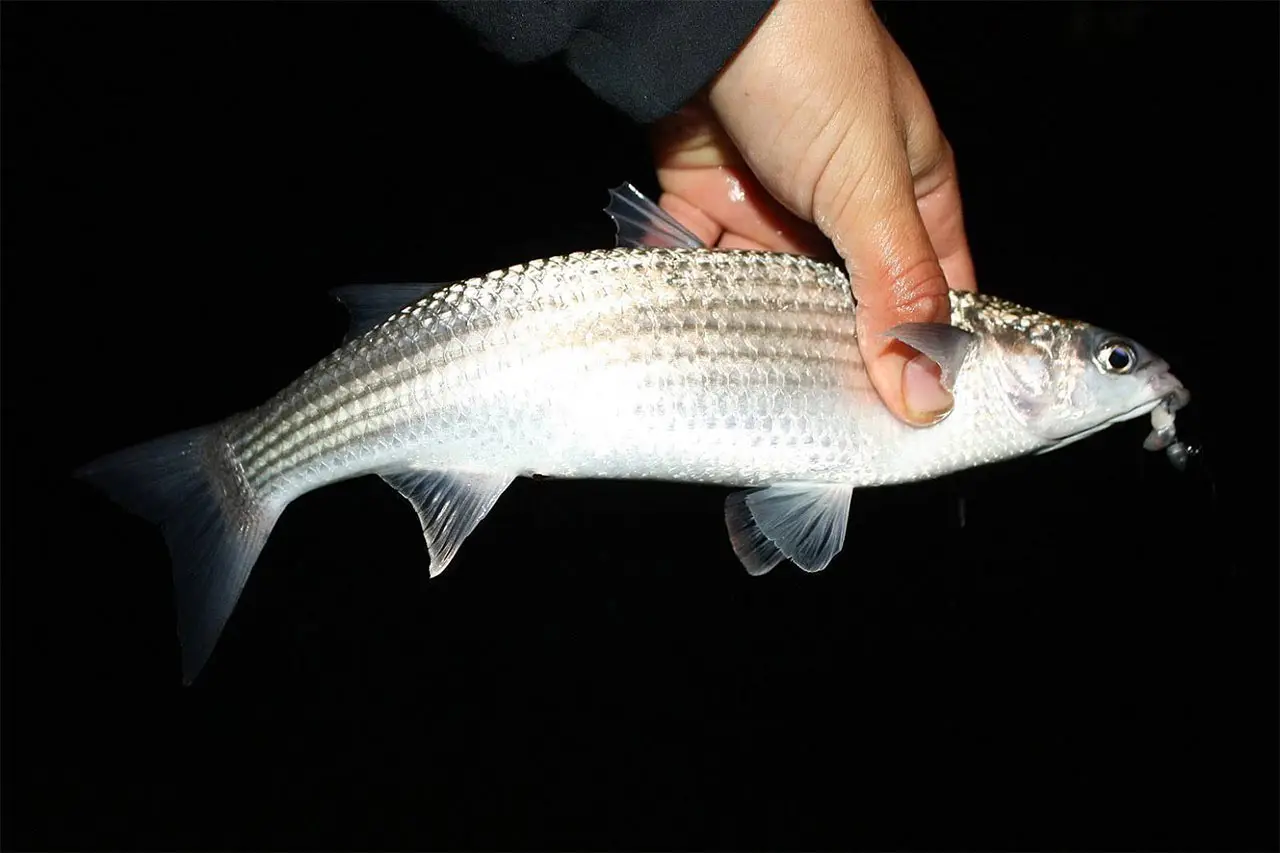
{"x":1117,"y":356}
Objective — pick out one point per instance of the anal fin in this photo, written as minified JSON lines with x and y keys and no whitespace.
{"x":801,"y":522}
{"x":449,"y":504}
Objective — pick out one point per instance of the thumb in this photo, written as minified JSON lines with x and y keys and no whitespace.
{"x":895,"y":275}
{"x":825,"y":110}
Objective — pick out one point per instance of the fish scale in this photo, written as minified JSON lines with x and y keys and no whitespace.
{"x":767,"y":326}
{"x":658,"y":359}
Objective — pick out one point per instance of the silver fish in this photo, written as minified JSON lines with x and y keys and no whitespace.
{"x":659,"y":359}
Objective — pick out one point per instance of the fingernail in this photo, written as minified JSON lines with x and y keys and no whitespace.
{"x":926,"y":400}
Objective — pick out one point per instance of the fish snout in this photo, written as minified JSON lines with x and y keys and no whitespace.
{"x":1163,"y":385}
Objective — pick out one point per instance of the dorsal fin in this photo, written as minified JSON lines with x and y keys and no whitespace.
{"x":370,"y":304}
{"x":642,"y":223}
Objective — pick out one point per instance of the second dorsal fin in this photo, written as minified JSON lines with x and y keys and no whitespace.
{"x":370,"y":304}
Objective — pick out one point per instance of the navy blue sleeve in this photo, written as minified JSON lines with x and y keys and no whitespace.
{"x":647,"y":58}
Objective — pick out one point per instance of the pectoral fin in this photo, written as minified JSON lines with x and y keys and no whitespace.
{"x":449,"y":504}
{"x":801,"y":522}
{"x":946,"y":345}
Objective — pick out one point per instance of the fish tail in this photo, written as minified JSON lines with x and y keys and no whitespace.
{"x":215,"y":526}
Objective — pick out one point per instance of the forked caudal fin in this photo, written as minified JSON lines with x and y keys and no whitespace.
{"x":215,"y":529}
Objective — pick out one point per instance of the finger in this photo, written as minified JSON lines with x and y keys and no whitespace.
{"x":708,"y":188}
{"x":867,"y":201}
{"x":941,"y":213}
{"x":747,"y":215}
{"x":707,"y":228}
{"x":933,"y":168}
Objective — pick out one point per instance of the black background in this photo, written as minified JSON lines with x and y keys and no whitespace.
{"x":1089,"y":662}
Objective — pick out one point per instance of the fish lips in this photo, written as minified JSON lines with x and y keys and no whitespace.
{"x":1162,"y":388}
{"x":1165,"y":388}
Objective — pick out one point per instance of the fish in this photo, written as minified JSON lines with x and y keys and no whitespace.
{"x":657,"y":359}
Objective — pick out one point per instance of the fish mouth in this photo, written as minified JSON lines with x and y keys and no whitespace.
{"x":1177,"y":399}
{"x":1136,"y":411}
{"x":1163,"y":434}
{"x":1163,"y":389}
{"x":1166,"y":389}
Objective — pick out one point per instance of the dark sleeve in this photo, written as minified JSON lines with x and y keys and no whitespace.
{"x":644,"y":57}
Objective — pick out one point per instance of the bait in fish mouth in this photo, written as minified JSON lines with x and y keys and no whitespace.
{"x":1163,"y":434}
{"x":659,"y":359}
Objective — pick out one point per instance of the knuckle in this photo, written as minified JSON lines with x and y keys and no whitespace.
{"x":919,"y":293}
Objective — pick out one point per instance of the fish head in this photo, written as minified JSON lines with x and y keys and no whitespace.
{"x":1064,"y":379}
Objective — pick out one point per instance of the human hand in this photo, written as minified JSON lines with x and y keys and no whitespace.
{"x":820,"y":130}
